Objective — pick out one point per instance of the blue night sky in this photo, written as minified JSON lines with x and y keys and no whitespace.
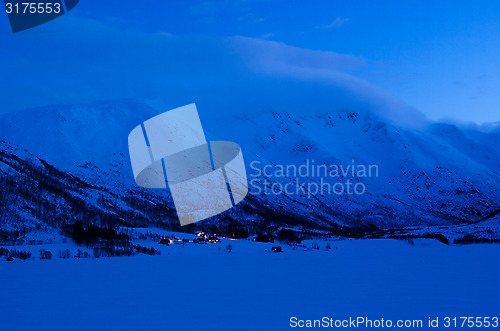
{"x":440,"y":58}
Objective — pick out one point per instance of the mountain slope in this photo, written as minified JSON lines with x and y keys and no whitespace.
{"x":38,"y":200}
{"x":431,"y":176}
{"x":38,"y":197}
{"x":436,"y":176}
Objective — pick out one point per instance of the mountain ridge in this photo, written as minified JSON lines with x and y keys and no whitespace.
{"x":438,"y":176}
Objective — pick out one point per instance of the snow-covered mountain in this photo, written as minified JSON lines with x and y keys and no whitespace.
{"x":37,"y":196}
{"x":438,"y":175}
{"x":39,"y":201}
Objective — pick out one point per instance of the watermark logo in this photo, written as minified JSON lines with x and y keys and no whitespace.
{"x":26,"y":14}
{"x":310,"y":178}
{"x":205,"y":178}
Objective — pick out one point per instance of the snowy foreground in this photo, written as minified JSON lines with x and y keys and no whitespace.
{"x":199,"y":287}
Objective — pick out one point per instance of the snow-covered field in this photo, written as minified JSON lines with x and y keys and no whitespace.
{"x":199,"y":287}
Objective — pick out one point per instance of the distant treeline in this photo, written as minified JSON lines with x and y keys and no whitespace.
{"x":14,"y":254}
{"x":470,"y":239}
{"x":442,"y":238}
{"x":93,"y":233}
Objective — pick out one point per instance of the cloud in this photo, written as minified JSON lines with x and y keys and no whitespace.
{"x":458,"y":83}
{"x":339,"y":21}
{"x":276,"y":56}
{"x":86,"y":60}
{"x":487,"y":127}
{"x":267,"y":35}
